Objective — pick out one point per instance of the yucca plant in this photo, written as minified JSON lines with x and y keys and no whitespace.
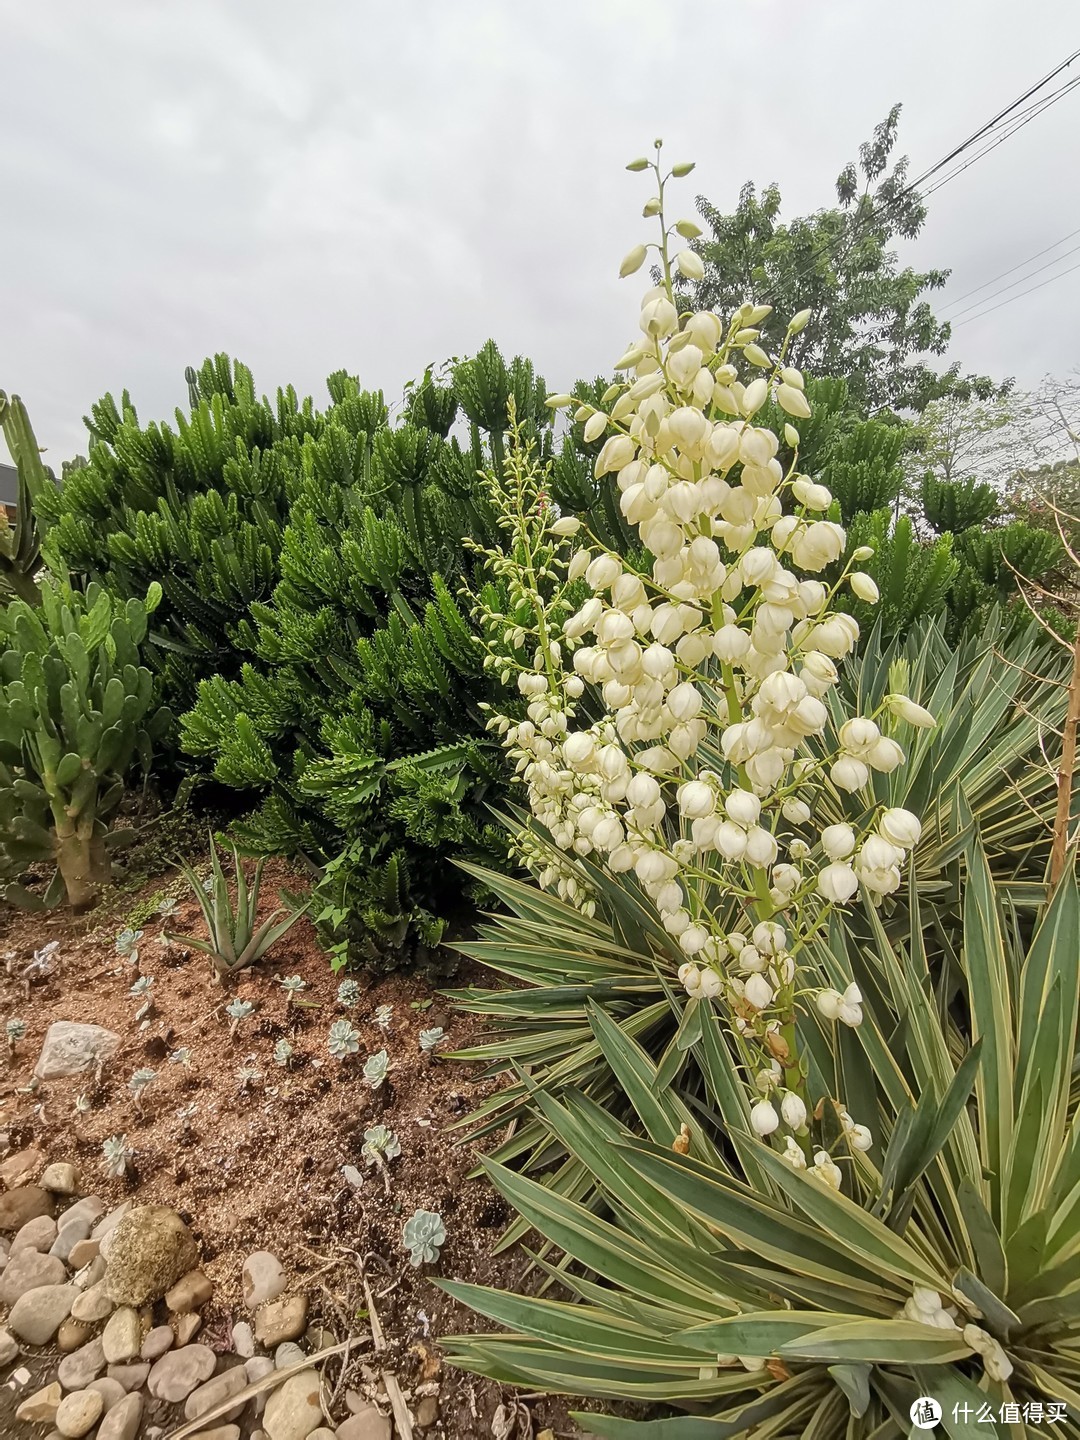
{"x":716,"y":1278}
{"x":235,"y":941}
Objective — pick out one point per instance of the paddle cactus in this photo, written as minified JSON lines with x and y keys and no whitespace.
{"x":76,"y":711}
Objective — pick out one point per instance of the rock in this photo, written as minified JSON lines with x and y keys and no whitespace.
{"x":262,"y":1278}
{"x":321,"y":1434}
{"x":29,"y":1270}
{"x":122,"y":1336}
{"x":5,"y":1251}
{"x":72,"y":1335}
{"x":79,"y":1412}
{"x":243,"y":1340}
{"x":77,"y":1370}
{"x":288,"y":1354}
{"x":93,"y":1304}
{"x":25,"y":1203}
{"x":9,"y":1348}
{"x":131,"y":1377}
{"x":320,"y":1339}
{"x":19,"y":1378}
{"x":107,"y":1223}
{"x":215,"y":1392}
{"x":82,"y":1252}
{"x":427,"y":1412}
{"x":295,"y":1409}
{"x":157,"y":1341}
{"x":176,"y":1374}
{"x":61,"y":1178}
{"x":191,"y":1292}
{"x":19,"y":1169}
{"x":40,"y":1408}
{"x":37,"y":1234}
{"x":365,"y":1424}
{"x":256,"y":1369}
{"x":280,"y":1320}
{"x":111,"y":1391}
{"x":91,"y":1208}
{"x":122,"y":1419}
{"x":69,"y":1049}
{"x":36,"y":1316}
{"x":90,"y":1275}
{"x":148,"y":1252}
{"x":219,"y":1432}
{"x":70,"y":1234}
{"x":187,"y":1327}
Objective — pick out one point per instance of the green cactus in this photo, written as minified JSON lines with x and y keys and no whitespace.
{"x":20,"y":547}
{"x":77,"y":709}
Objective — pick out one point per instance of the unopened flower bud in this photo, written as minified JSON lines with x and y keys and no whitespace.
{"x":633,"y":261}
{"x":764,"y":1119}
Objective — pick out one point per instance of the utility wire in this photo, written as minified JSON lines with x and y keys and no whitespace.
{"x":995,"y":293}
{"x":1011,"y":268}
{"x":1002,"y":303}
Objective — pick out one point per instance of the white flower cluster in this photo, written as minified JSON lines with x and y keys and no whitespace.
{"x":713,"y":669}
{"x":926,"y":1307}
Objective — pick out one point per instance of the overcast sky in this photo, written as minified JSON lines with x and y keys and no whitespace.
{"x":377,"y":186}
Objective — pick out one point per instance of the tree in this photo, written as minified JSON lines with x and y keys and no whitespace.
{"x":869,"y":320}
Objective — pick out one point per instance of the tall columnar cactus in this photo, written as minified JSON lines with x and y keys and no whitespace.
{"x":77,"y":709}
{"x":20,"y":547}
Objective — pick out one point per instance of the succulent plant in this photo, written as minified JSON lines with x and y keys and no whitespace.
{"x":138,"y":1083}
{"x":292,"y":985}
{"x":283,"y":1053}
{"x":168,"y":908}
{"x":235,"y":940}
{"x":348,"y":993}
{"x":42,"y":964}
{"x":380,"y":1143}
{"x":82,"y":1104}
{"x":127,"y":944}
{"x":238,"y":1010}
{"x":433,"y":1038}
{"x":247,"y":1076}
{"x":143,"y":985}
{"x":376,"y":1069}
{"x":14,"y":1030}
{"x":118,"y":1155}
{"x":424,"y":1236}
{"x":343,"y":1040}
{"x":181,"y":1056}
{"x":383,"y":1015}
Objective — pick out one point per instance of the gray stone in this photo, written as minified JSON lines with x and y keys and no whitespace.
{"x":256,"y":1369}
{"x":156,"y":1343}
{"x":283,"y":1319}
{"x":262,"y":1279}
{"x":243,"y":1340}
{"x":78,"y":1413}
{"x":191,"y":1292}
{"x":70,"y":1234}
{"x":215,"y":1392}
{"x":288,"y":1354}
{"x":187,"y":1327}
{"x":78,"y":1369}
{"x":82,"y":1252}
{"x":321,"y":1434}
{"x":93,"y":1304}
{"x":18,"y":1169}
{"x":294,"y":1410}
{"x":122,"y":1419}
{"x":25,"y":1203}
{"x":90,"y":1275}
{"x":219,"y":1432}
{"x":111,"y":1391}
{"x":73,"y":1335}
{"x":176,"y":1374}
{"x":37,"y":1234}
{"x":131,"y":1377}
{"x":61,"y":1178}
{"x":90,"y":1208}
{"x":122,"y":1336}
{"x":69,"y":1049}
{"x":150,"y":1249}
{"x":29,"y":1270}
{"x":365,"y":1424}
{"x":35,"y":1317}
{"x":107,"y":1223}
{"x":427,"y":1412}
{"x":9,"y":1348}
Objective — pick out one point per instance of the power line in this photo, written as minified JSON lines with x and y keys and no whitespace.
{"x":1011,"y":268}
{"x":995,"y":293}
{"x":1003,"y":303}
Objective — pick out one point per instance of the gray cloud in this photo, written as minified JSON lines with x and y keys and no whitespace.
{"x":378,"y":186}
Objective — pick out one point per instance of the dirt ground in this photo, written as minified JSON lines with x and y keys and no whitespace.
{"x":252,"y":1154}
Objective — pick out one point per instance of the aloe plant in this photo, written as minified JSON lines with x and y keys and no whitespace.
{"x":235,"y":939}
{"x":720,"y":1279}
